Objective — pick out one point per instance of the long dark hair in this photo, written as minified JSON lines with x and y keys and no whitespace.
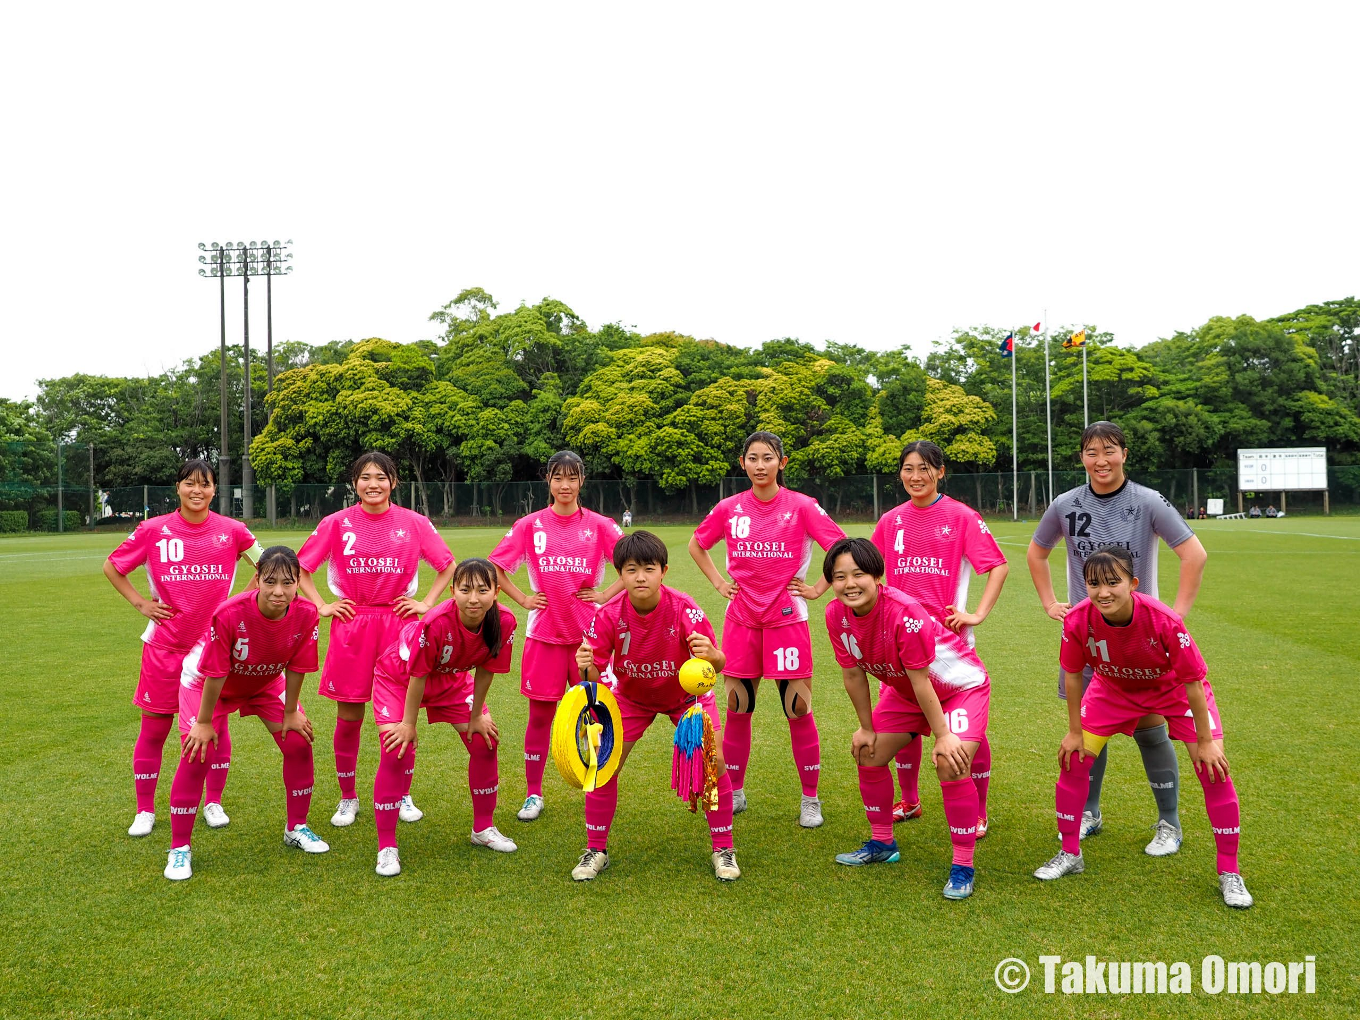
{"x":772,"y":441}
{"x":477,"y":569}
{"x":378,"y":459}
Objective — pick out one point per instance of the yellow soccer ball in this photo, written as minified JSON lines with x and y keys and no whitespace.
{"x":698,"y":677}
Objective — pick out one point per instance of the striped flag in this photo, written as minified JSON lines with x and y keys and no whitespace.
{"x":1077,"y":339}
{"x":1008,"y":346}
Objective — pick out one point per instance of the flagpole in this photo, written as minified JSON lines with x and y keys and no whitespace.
{"x":1015,"y":444}
{"x":1085,"y":405}
{"x":1048,"y":408}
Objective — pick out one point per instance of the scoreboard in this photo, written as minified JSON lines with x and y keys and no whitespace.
{"x":1285,"y":470}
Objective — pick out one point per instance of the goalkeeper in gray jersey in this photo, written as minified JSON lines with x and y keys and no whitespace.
{"x":1111,"y":510}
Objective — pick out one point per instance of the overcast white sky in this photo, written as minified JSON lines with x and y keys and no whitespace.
{"x":875,"y":174}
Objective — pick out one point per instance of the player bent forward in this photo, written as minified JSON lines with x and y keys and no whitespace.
{"x":647,"y":633}
{"x":1145,"y":662}
{"x":932,"y":681}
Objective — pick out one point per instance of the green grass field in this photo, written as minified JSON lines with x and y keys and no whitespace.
{"x":94,"y":930}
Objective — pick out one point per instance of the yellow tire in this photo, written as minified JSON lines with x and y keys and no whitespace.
{"x":587,"y":736}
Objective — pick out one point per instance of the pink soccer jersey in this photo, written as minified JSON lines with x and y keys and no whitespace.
{"x":189,"y":567}
{"x":647,"y":651}
{"x":439,"y":644}
{"x":374,"y":559}
{"x":249,"y":649}
{"x":1153,"y":651}
{"x":898,"y":634}
{"x":931,"y":553}
{"x":768,"y":545}
{"x":565,"y":554}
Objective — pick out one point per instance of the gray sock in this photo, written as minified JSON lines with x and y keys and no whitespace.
{"x":1163,"y":771}
{"x":1097,"y":779}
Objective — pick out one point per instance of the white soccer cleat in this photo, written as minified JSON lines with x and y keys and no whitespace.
{"x":389,"y":863}
{"x":725,"y":865}
{"x":177,"y":867}
{"x":592,"y":862}
{"x":345,"y":812}
{"x":215,"y":816}
{"x":306,"y":840}
{"x":810,"y":814}
{"x":1091,"y":824}
{"x":492,"y":838}
{"x":1063,"y":864}
{"x":1234,"y":890}
{"x":408,"y":812}
{"x":1166,"y":840}
{"x":142,"y":824}
{"x":738,"y":801}
{"x":533,"y":807}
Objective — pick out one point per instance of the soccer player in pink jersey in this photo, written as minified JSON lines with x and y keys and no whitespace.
{"x":565,"y":548}
{"x":642,"y":638}
{"x":932,"y":546}
{"x":931,"y":680}
{"x":1145,"y":663}
{"x":251,"y":660}
{"x":428,"y":666}
{"x":374,"y":552}
{"x":190,"y":557}
{"x":769,"y":531}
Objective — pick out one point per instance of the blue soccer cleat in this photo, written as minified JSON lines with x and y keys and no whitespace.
{"x":872,"y":852}
{"x":960,"y":884}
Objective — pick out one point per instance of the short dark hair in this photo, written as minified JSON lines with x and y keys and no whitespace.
{"x":279,"y":558}
{"x":926,"y":450}
{"x":865,"y":553}
{"x":379,"y":460}
{"x":642,"y":547}
{"x":1103,"y":430}
{"x":197,"y":466}
{"x":1105,"y":561}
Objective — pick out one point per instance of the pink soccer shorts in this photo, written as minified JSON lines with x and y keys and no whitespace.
{"x":777,"y":653}
{"x":547,"y":670}
{"x":965,"y":711}
{"x":158,"y":685}
{"x":353,"y":652}
{"x":267,"y":703}
{"x":636,"y":717}
{"x":1107,"y":709}
{"x":447,"y":698}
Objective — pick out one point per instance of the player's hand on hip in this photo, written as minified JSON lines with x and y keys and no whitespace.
{"x":595,"y":595}
{"x":1072,"y":743}
{"x":408,"y":607}
{"x":700,"y":646}
{"x":196,"y":741}
{"x":950,"y":748}
{"x":727,"y":589}
{"x":155,"y":609}
{"x":1058,"y":610}
{"x":535,"y":600}
{"x":801,"y":588}
{"x":956,"y":620}
{"x":341,"y":609}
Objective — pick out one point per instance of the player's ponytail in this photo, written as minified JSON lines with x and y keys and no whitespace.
{"x":478,"y":570}
{"x":279,"y":561}
{"x":768,"y":439}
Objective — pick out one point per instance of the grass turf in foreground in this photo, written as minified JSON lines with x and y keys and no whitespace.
{"x":92,"y":929}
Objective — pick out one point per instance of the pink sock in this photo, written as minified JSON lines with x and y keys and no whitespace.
{"x":185,"y":792}
{"x":484,"y":779}
{"x":720,"y":818}
{"x":1220,"y":804}
{"x":219,"y":761}
{"x":876,"y":788}
{"x":146,"y":758}
{"x":299,"y":775}
{"x":909,"y":772}
{"x":537,"y":737}
{"x":737,"y":746}
{"x":807,"y":752}
{"x":961,"y":812}
{"x":1073,"y":786}
{"x":982,"y":774}
{"x":391,"y":783}
{"x":600,"y":807}
{"x":347,"y":732}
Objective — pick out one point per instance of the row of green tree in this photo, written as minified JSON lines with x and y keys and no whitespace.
{"x":497,"y":392}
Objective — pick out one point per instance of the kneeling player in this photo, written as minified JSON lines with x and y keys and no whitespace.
{"x":1145,"y":663}
{"x":647,"y":633}
{"x":934,"y":683}
{"x":428,"y":665}
{"x":258,"y":647}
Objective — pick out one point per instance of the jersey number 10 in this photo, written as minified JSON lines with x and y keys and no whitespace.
{"x":171,"y":549}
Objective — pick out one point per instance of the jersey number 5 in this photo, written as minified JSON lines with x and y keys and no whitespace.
{"x":241,"y":649}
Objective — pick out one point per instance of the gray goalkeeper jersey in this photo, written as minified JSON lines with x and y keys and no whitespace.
{"x":1133,"y":516}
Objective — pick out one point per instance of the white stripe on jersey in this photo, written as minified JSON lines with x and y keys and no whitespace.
{"x":188,"y":672}
{"x":953,"y":672}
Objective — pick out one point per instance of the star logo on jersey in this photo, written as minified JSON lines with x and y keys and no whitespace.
{"x":165,"y":530}
{"x":945,"y":531}
{"x":586,"y":535}
{"x":399,"y":534}
{"x":788,"y":516}
{"x":670,"y":631}
{"x":223,"y":538}
{"x":1133,"y":513}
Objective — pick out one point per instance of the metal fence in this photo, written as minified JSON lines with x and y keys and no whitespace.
{"x":851,"y":498}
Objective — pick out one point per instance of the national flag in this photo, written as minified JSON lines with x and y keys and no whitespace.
{"x":1008,"y":346}
{"x":1077,"y":339}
